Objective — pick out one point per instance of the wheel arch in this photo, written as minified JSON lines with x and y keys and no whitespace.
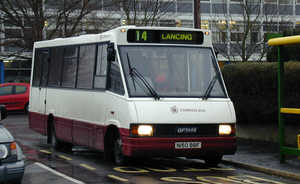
{"x":112,"y":131}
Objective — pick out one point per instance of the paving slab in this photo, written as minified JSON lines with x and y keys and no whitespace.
{"x":264,"y":157}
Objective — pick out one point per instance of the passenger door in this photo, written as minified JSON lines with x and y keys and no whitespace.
{"x":38,"y":121}
{"x":43,"y":87}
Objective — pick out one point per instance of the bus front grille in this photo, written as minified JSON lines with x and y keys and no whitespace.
{"x":186,"y":130}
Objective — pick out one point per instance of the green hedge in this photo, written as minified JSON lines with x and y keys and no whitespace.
{"x":253,"y":89}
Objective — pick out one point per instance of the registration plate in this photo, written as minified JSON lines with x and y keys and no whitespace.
{"x":187,"y":145}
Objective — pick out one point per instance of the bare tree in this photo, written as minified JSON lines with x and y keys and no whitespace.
{"x":244,"y":34}
{"x":26,"y":21}
{"x":145,"y":12}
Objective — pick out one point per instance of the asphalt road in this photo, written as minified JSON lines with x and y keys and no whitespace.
{"x":80,"y":165}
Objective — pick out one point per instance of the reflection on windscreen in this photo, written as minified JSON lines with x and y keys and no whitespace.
{"x":171,"y":71}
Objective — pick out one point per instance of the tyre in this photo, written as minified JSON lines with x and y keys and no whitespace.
{"x":26,"y":108}
{"x":213,"y":160}
{"x":17,"y":181}
{"x":119,"y":158}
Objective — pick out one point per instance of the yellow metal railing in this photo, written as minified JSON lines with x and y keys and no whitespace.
{"x":289,"y":111}
{"x":284,"y":150}
{"x":288,"y":40}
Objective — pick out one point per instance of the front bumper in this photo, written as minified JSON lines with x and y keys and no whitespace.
{"x":12,"y":171}
{"x":153,"y":146}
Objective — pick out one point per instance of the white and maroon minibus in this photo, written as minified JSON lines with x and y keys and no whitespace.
{"x":133,"y":92}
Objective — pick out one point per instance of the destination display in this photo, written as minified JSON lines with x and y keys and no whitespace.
{"x":164,"y":36}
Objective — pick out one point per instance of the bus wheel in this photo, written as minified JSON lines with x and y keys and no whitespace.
{"x":213,"y":160}
{"x":119,"y":158}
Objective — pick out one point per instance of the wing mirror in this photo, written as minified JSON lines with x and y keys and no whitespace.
{"x":111,"y":53}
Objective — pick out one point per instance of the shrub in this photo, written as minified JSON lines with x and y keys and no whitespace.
{"x":253,"y":89}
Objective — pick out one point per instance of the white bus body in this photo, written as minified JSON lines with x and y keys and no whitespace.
{"x":133,"y":91}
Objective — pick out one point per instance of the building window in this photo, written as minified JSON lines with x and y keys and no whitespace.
{"x":167,"y":7}
{"x":109,"y":5}
{"x":167,"y":23}
{"x":254,"y":37}
{"x":237,"y":1}
{"x":285,"y":1}
{"x":219,"y":37}
{"x":270,"y":1}
{"x":236,"y":37}
{"x":219,"y":1}
{"x":204,"y":24}
{"x":256,"y":2}
{"x":184,"y":6}
{"x":13,"y":33}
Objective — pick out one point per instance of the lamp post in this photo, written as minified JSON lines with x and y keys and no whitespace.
{"x":197,"y":17}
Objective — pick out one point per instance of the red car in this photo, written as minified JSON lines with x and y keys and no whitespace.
{"x":15,"y":96}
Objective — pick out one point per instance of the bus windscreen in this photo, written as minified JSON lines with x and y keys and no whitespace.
{"x":164,"y":36}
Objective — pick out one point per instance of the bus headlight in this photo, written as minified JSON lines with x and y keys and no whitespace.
{"x":145,"y":130}
{"x":142,"y":130}
{"x":225,"y":130}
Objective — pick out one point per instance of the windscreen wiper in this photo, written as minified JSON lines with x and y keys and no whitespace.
{"x":134,"y":72}
{"x":210,"y":87}
{"x":211,"y":82}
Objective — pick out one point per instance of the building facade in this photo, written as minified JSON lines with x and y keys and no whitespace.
{"x":239,"y":27}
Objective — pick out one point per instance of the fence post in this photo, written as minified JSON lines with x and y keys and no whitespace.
{"x":280,"y":102}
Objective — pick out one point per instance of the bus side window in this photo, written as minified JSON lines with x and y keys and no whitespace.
{"x":45,"y":68}
{"x":40,"y":75}
{"x":87,"y":54}
{"x":69,"y":66}
{"x":55,"y":69}
{"x":101,"y":67}
{"x":115,"y":83}
{"x":37,"y":70}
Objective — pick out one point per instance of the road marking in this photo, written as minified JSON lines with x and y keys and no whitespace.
{"x":162,"y":170}
{"x":196,"y":170}
{"x":58,"y":173}
{"x":130,"y":170}
{"x":64,"y":157}
{"x":88,"y":167}
{"x":181,"y":180}
{"x":254,"y":179}
{"x":117,"y":178}
{"x":218,"y":180}
{"x":45,"y":151}
{"x":222,"y":169}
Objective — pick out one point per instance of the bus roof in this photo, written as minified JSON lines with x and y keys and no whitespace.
{"x":113,"y":35}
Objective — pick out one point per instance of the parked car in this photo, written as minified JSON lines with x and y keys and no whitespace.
{"x":15,"y":96}
{"x":11,"y":156}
